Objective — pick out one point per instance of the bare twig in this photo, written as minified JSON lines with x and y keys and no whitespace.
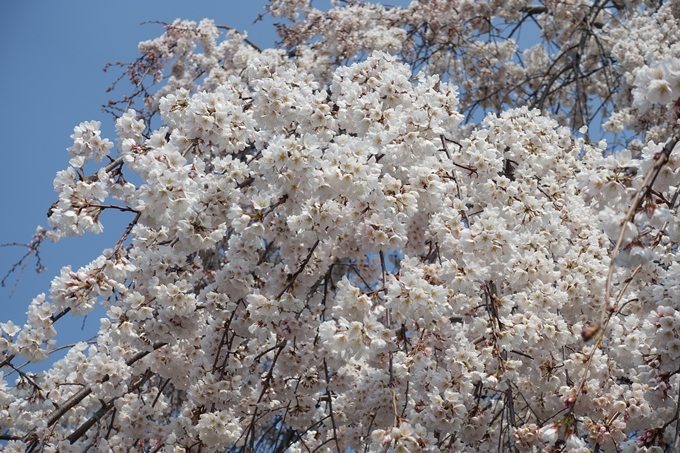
{"x":33,"y":249}
{"x":294,"y":277}
{"x":659,"y":161}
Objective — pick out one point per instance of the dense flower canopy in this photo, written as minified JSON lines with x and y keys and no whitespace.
{"x":395,"y":232}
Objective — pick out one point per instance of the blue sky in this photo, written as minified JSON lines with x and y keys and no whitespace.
{"x":51,"y":79}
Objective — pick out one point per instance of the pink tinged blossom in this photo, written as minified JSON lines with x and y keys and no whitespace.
{"x":549,"y":433}
{"x":575,"y":444}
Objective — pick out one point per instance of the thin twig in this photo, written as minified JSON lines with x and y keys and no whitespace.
{"x":85,"y":391}
{"x":330,"y":406}
{"x":299,"y":271}
{"x":660,"y":160}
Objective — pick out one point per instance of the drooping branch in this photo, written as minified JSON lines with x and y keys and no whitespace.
{"x":87,"y":390}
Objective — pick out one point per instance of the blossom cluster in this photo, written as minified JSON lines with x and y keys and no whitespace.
{"x":659,"y":84}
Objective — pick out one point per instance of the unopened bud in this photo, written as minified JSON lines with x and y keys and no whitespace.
{"x":588,"y":332}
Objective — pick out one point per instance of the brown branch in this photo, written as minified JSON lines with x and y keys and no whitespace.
{"x":106,"y":407}
{"x":330,"y":406}
{"x":533,"y":10}
{"x":80,"y":432}
{"x":9,"y":437}
{"x":454,"y":177}
{"x":661,"y":159}
{"x":509,"y":402}
{"x":33,"y":249}
{"x":160,"y":392}
{"x":246,"y":40}
{"x":676,"y":438}
{"x":127,"y":231}
{"x":85,"y":391}
{"x":265,"y":386}
{"x":299,"y":271}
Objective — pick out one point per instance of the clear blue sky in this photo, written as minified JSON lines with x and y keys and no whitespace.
{"x":51,"y":79}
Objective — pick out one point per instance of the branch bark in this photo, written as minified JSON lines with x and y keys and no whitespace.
{"x":85,"y":391}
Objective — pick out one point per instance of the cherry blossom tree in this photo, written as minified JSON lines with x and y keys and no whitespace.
{"x":400,"y":230}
